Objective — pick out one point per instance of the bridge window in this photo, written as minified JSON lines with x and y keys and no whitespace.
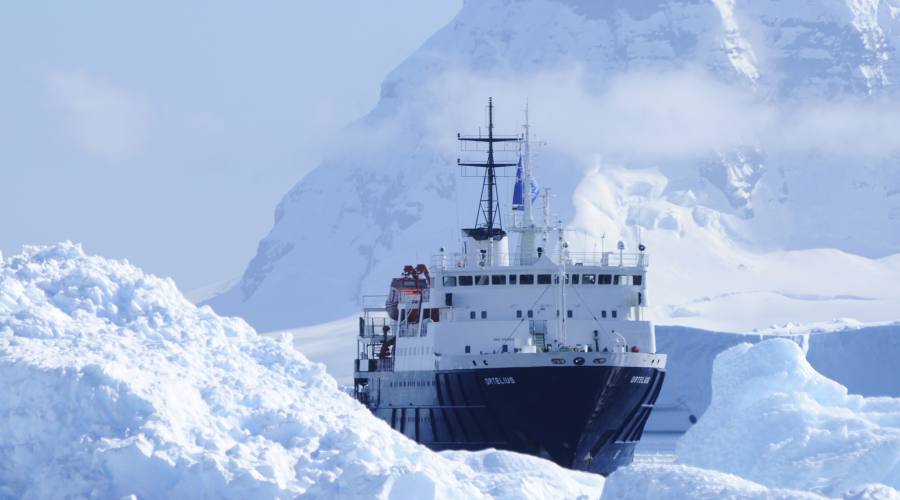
{"x":482,"y":279}
{"x":512,"y":279}
{"x":449,"y":280}
{"x":471,"y":314}
{"x":498,"y":279}
{"x":526,"y":279}
{"x":575,"y":279}
{"x":604,"y":279}
{"x":589,"y":279}
{"x":622,"y":279}
{"x":637,"y":279}
{"x":544,"y":279}
{"x":465,"y":281}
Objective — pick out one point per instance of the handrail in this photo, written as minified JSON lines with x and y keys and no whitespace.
{"x":374,"y":301}
{"x":458,"y":260}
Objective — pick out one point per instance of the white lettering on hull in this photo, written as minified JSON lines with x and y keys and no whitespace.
{"x":499,"y":380}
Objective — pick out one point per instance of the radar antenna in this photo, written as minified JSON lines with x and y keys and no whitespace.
{"x":488,"y":224}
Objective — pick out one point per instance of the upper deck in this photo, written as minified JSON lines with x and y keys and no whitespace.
{"x":449,"y":261}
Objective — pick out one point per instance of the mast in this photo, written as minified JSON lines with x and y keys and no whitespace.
{"x":563,"y":258}
{"x":488,"y":224}
{"x":526,"y":174}
{"x":527,"y":229}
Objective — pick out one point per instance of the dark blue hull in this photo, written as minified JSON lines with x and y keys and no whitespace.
{"x":581,"y":417}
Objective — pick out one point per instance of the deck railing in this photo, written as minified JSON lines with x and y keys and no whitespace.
{"x":457,"y":260}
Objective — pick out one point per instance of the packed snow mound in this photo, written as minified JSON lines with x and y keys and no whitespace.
{"x":654,"y":481}
{"x":114,"y":384}
{"x":774,"y":420}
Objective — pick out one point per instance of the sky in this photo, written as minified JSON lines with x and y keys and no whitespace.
{"x":166,"y":133}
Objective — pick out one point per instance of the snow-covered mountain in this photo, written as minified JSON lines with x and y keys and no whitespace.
{"x":750,"y":145}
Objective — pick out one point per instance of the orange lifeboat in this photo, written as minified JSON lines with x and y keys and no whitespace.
{"x":413,"y":281}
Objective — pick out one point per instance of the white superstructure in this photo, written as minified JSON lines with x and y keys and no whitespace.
{"x":484,"y":300}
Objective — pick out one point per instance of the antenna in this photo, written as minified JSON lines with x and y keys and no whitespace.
{"x":488,"y":224}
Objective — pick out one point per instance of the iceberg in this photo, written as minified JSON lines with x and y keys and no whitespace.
{"x":773,"y":419}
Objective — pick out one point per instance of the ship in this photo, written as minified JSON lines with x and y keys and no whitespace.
{"x":540,"y":350}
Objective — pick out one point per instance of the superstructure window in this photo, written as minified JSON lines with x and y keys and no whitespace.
{"x":519,"y":313}
{"x":449,"y":280}
{"x":512,"y":279}
{"x":468,"y":349}
{"x":569,"y":313}
{"x":483,"y":314}
{"x":471,"y":314}
{"x":614,"y":313}
{"x":589,"y":279}
{"x":498,"y":279}
{"x":544,"y":279}
{"x":530,"y":313}
{"x":482,"y":279}
{"x":604,"y":279}
{"x":603,"y":314}
{"x":637,"y":279}
{"x":465,"y":281}
{"x":526,"y":279}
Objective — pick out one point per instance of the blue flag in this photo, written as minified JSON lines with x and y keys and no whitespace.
{"x":518,"y":202}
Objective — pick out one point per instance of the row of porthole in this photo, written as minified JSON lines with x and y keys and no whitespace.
{"x":542,"y":279}
{"x":530,"y":313}
{"x":412,"y":383}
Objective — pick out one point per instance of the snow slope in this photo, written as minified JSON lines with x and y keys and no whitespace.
{"x":775,"y":420}
{"x":332,"y":344}
{"x":750,"y":144}
{"x":114,"y":385}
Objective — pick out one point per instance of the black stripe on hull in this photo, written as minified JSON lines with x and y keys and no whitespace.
{"x":581,"y":417}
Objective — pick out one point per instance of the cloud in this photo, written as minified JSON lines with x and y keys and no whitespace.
{"x":105,"y":121}
{"x":668,"y":115}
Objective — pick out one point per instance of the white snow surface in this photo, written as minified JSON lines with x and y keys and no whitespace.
{"x":114,"y":385}
{"x":774,"y":420}
{"x":655,"y":481}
